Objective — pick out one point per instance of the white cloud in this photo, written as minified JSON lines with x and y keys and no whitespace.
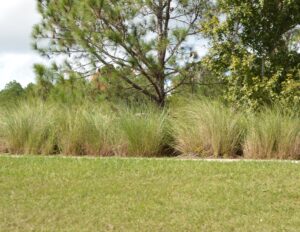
{"x":16,"y":20}
{"x":16,"y":57}
{"x":17,"y":67}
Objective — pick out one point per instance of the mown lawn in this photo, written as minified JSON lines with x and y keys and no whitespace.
{"x":66,"y":194}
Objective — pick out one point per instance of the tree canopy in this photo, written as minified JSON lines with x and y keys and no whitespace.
{"x":255,"y":49}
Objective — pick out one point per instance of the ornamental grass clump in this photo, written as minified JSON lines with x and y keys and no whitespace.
{"x":28,"y":129}
{"x":273,"y":134}
{"x":83,"y":131}
{"x":208,"y":129}
{"x":144,"y":131}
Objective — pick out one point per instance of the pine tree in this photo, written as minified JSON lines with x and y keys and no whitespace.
{"x":147,"y":42}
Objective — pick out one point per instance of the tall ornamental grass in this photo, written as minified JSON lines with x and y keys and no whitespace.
{"x":82,"y":130}
{"x":273,"y":134}
{"x":144,"y":131}
{"x":208,"y":128}
{"x":87,"y":132}
{"x":202,"y":127}
{"x":28,"y":129}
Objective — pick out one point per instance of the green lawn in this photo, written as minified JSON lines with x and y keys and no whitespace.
{"x":66,"y":194}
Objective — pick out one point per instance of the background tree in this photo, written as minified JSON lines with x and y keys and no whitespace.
{"x":140,"y":39}
{"x":12,"y":93}
{"x":52,"y":85}
{"x":255,"y":49}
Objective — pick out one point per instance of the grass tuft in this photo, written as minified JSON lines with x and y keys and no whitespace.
{"x":28,"y":129}
{"x":208,"y":128}
{"x":273,"y":134}
{"x":144,"y":132}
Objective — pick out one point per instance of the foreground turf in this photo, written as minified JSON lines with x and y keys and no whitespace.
{"x":58,"y":194}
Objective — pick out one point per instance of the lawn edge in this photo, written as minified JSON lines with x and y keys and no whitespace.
{"x":225,"y":160}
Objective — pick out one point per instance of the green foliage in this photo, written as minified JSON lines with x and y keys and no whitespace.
{"x":291,"y":91}
{"x":151,"y":39}
{"x":106,"y":84}
{"x":254,"y":92}
{"x":146,"y":50}
{"x":261,"y":25}
{"x":251,"y":50}
{"x":11,"y":94}
{"x":53,"y":87}
{"x":201,"y":82}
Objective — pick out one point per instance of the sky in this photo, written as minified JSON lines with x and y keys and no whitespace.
{"x":16,"y":56}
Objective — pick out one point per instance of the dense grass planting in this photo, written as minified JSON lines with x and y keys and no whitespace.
{"x":88,"y":130}
{"x":208,"y":128}
{"x":202,"y":128}
{"x":57,"y":194}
